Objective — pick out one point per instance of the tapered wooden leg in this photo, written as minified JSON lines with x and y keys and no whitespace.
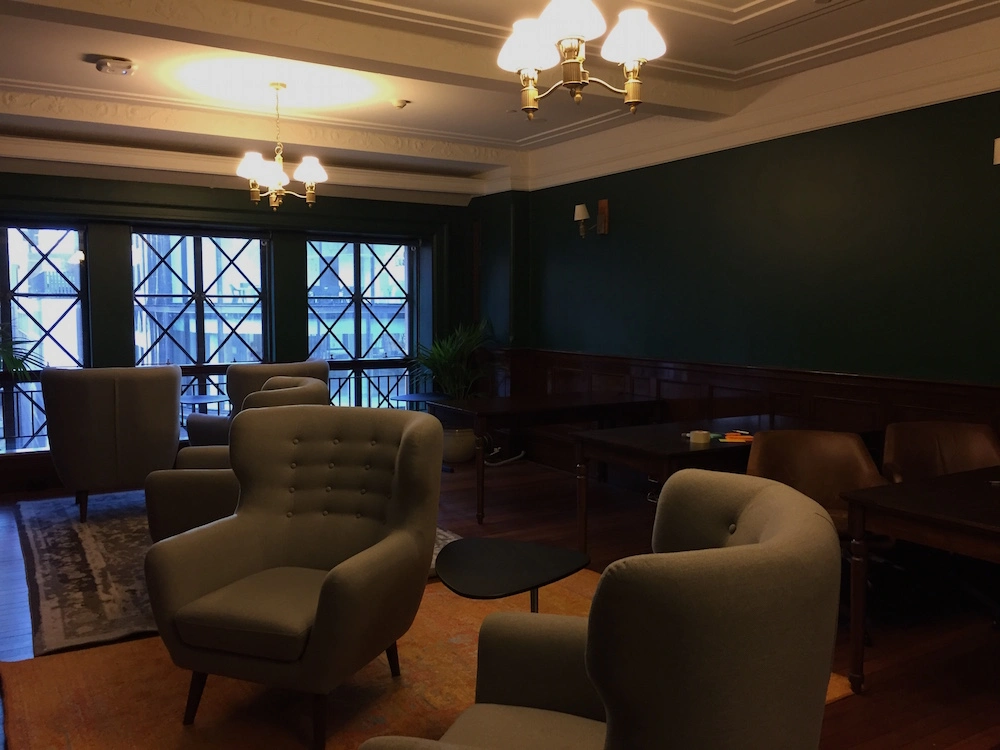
{"x":392,"y":654}
{"x":319,"y":722}
{"x":81,"y":500}
{"x":194,"y":695}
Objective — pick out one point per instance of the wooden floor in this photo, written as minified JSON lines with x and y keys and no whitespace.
{"x":933,"y":671}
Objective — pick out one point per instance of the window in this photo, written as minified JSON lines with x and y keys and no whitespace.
{"x":361,"y":317}
{"x":40,"y":303}
{"x":197,"y":301}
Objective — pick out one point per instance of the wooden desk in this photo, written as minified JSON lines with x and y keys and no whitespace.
{"x":485,"y":414}
{"x":956,"y":512}
{"x":659,"y":450}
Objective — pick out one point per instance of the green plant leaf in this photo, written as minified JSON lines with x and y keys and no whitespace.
{"x":450,"y":360}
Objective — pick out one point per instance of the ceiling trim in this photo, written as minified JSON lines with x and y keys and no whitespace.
{"x":948,"y":66}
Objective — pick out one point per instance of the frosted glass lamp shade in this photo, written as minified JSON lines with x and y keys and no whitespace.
{"x":272,"y":175}
{"x":252,"y":166}
{"x":526,"y":49}
{"x":580,"y":213}
{"x":571,"y":19}
{"x":634,"y":39}
{"x":310,"y":170}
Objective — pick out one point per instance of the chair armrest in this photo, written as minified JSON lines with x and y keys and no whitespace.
{"x":537,"y":661}
{"x":381,"y":587}
{"x":182,"y":499}
{"x":203,"y":457}
{"x":183,"y":568}
{"x":409,"y":743}
{"x":207,"y":429}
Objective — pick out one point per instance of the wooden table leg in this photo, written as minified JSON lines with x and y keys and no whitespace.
{"x":480,"y":477}
{"x":581,"y":502}
{"x":859,"y":592}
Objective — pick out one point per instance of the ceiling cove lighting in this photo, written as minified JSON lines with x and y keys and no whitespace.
{"x":270,"y":175}
{"x":560,"y":34}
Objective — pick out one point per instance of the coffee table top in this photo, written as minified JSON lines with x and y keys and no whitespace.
{"x":483,"y":568}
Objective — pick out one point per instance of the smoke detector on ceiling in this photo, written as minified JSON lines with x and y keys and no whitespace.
{"x":116,"y":66}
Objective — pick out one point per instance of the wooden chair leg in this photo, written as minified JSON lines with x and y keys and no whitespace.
{"x":81,"y":500}
{"x":319,"y":721}
{"x":194,"y":695}
{"x":392,"y":654}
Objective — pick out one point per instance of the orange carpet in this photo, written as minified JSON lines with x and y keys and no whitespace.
{"x":129,"y":695}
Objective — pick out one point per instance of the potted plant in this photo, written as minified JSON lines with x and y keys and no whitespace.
{"x":450,"y":363}
{"x":16,"y":356}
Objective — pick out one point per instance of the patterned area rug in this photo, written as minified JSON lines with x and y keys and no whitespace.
{"x":85,"y":580}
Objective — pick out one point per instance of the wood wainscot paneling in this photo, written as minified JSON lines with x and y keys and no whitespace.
{"x":835,"y":401}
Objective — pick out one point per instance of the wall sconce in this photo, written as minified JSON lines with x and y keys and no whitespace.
{"x":581,"y":215}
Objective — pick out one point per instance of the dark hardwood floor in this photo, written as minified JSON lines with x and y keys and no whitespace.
{"x":933,"y":671}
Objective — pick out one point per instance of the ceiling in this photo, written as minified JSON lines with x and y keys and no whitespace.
{"x":461,"y":129}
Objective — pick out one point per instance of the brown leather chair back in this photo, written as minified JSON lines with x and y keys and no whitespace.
{"x":820,"y":464}
{"x":915,"y":450}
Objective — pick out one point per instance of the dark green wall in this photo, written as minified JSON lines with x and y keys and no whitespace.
{"x":870,"y":248}
{"x":501,"y":221}
{"x":107,"y":210}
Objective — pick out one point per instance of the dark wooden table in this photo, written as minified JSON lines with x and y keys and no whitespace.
{"x":661,"y":449}
{"x":485,"y":414}
{"x":489,"y":568}
{"x":956,"y":512}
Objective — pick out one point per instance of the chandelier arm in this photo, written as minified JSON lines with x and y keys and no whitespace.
{"x":606,"y":85}
{"x":554,"y":86}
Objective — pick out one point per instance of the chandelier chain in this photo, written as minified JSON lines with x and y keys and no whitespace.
{"x":278,"y":147}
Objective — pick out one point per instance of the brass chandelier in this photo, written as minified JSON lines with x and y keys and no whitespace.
{"x":270,"y":176}
{"x":560,"y":34}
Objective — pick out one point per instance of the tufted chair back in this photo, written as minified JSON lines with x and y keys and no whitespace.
{"x":726,"y":640}
{"x":917,"y":450}
{"x":326,"y":482}
{"x":820,"y":464}
{"x":285,"y":390}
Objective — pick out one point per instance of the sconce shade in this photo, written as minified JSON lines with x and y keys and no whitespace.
{"x":633,"y":39}
{"x":526,"y":49}
{"x":310,"y":170}
{"x":580,"y":213}
{"x":571,"y":19}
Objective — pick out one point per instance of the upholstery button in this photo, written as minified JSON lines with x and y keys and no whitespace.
{"x":331,"y":464}
{"x":288,"y":514}
{"x":328,"y":488}
{"x":326,"y":512}
{"x":367,"y":467}
{"x":363,"y":490}
{"x":291,"y":489}
{"x":358,"y":515}
{"x":336,"y":441}
{"x":374,"y":442}
{"x":732,"y":528}
{"x":295,"y":441}
{"x":293,"y":464}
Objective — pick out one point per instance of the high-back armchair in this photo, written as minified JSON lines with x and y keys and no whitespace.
{"x":323,"y":565}
{"x":109,"y":427}
{"x":720,"y":639}
{"x":242,"y":380}
{"x":821,"y":464}
{"x":917,"y":450}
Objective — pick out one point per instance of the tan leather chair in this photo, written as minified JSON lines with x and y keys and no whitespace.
{"x":109,"y":427}
{"x":323,"y":565}
{"x":820,"y":464}
{"x":917,"y":450}
{"x":721,"y":639}
{"x":241,"y":380}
